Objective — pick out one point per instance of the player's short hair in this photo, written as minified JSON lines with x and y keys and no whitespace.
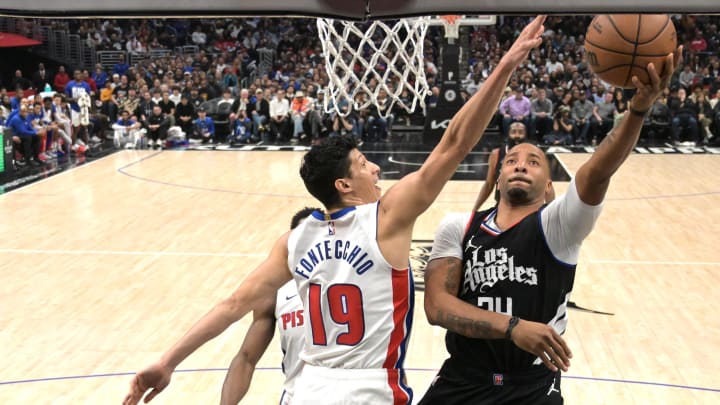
{"x":323,"y":164}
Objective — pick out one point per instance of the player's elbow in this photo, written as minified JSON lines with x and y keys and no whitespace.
{"x":433,"y":312}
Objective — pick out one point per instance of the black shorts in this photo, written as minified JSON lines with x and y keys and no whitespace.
{"x":454,"y":385}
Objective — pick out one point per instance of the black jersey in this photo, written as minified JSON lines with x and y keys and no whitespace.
{"x":512,"y":272}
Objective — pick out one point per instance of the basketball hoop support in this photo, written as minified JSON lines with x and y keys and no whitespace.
{"x":453,"y":22}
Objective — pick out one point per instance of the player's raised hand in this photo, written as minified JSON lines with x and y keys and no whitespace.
{"x":156,"y":377}
{"x":529,"y":38}
{"x":647,"y":93}
{"x":543,"y":341}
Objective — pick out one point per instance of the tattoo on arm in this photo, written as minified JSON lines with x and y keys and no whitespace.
{"x":452,"y":279}
{"x":465,"y":326}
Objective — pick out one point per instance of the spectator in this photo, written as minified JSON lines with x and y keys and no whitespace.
{"x":29,"y":139}
{"x":603,"y":117}
{"x":260,"y":113}
{"x":377,"y":126}
{"x":184,"y":115}
{"x":279,"y":119}
{"x":122,"y":66}
{"x":686,"y":77}
{"x":199,"y":38}
{"x":90,"y":81}
{"x":157,"y":126}
{"x":698,"y":43}
{"x":19,"y":82}
{"x":581,"y":115}
{"x":100,"y":76}
{"x":127,"y":132}
{"x":168,"y":108}
{"x":304,"y":115}
{"x":515,"y":108}
{"x":562,"y":133}
{"x":705,"y":117}
{"x":17,"y":99}
{"x":41,"y":78}
{"x":685,"y":114}
{"x":541,"y":113}
{"x":204,"y":127}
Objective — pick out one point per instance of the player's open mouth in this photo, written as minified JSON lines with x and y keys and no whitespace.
{"x":521,"y":179}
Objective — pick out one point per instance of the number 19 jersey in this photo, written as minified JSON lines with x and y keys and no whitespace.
{"x":358,"y":308}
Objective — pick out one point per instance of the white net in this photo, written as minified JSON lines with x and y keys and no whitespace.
{"x":374,"y":63}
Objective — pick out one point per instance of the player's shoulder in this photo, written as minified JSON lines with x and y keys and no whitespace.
{"x":455,"y":220}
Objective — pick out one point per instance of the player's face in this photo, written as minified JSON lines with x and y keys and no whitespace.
{"x":516,"y":134}
{"x":525,"y":175}
{"x":364,"y":177}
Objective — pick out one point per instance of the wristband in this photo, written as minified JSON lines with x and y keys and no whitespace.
{"x":511,"y":325}
{"x":637,"y":112}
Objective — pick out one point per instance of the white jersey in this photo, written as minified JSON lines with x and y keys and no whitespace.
{"x":358,"y":307}
{"x":290,"y":321}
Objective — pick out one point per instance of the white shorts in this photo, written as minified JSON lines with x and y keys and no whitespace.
{"x":75,"y":117}
{"x":339,"y":386}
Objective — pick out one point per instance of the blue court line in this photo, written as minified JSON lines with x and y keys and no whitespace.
{"x":433,"y":370}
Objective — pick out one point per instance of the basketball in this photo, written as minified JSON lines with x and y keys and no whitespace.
{"x":620,"y":46}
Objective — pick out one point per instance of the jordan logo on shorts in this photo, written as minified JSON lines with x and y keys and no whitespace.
{"x":497,"y":379}
{"x":552,"y":388}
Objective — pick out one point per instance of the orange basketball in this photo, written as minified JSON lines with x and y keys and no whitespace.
{"x":620,"y":46}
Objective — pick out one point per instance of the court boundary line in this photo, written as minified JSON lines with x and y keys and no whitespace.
{"x":53,"y":176}
{"x":434,"y":370}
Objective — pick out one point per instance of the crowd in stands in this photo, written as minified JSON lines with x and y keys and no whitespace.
{"x":212,"y":96}
{"x":561,"y":102}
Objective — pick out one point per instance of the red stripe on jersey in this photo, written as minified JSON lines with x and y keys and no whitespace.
{"x":401,"y":304}
{"x":400,"y":397}
{"x":467,"y":226}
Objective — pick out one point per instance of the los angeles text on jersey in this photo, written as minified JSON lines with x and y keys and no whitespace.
{"x":481,"y":273}
{"x":334,"y":250}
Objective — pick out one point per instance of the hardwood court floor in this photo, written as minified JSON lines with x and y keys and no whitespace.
{"x":105,"y":266}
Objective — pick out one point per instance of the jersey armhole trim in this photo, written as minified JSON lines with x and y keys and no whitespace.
{"x":469,"y":222}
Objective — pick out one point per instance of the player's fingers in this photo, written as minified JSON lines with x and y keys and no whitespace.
{"x":654,"y":76}
{"x":133,"y":392}
{"x":678,"y":55}
{"x":130,"y":400}
{"x":559,"y":339}
{"x":637,"y":83}
{"x":151,"y":395}
{"x":555,"y":359}
{"x":559,"y":356}
{"x":532,"y":28}
{"x":547,"y":361}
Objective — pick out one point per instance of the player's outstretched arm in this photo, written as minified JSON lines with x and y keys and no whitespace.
{"x":412,"y":195}
{"x":257,"y":339}
{"x":443,"y":308}
{"x":262,"y":282}
{"x":593,"y":177}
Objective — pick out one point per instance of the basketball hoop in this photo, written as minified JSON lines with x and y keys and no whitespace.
{"x":452,"y":25}
{"x":374,"y":58}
